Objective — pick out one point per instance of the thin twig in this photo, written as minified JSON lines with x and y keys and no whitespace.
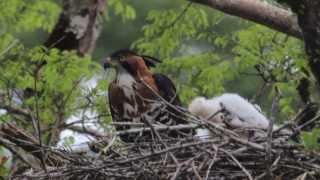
{"x":212,"y":161}
{"x":158,"y":128}
{"x":160,"y":139}
{"x":239,"y":164}
{"x":180,"y":15}
{"x":11,"y":45}
{"x":175,"y":175}
{"x":196,"y":173}
{"x":274,"y":109}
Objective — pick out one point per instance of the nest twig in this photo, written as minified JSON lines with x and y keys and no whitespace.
{"x":223,"y":155}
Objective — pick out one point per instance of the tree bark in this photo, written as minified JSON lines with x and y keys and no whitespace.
{"x":308,"y":12}
{"x":78,"y":27}
{"x":259,"y":12}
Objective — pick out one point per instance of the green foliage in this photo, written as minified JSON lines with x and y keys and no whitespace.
{"x":310,"y":140}
{"x":101,"y":100}
{"x":55,"y":76}
{"x":170,"y":30}
{"x":68,"y":141}
{"x":25,"y":15}
{"x":47,"y":84}
{"x":258,"y":44}
{"x":201,"y":74}
{"x":122,"y":9}
{"x":280,"y":57}
{"x":204,"y":61}
{"x":179,"y":30}
{"x":4,"y":169}
{"x":204,"y":52}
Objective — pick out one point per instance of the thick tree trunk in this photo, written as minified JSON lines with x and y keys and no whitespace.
{"x":78,"y":26}
{"x":259,"y":12}
{"x":308,"y":12}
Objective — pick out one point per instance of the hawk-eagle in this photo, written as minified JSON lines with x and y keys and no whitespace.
{"x":136,"y":94}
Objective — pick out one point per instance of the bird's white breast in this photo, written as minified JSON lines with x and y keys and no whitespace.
{"x":125,"y":79}
{"x":126,"y":82}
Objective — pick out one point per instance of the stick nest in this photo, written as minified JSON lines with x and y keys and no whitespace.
{"x":225,"y":154}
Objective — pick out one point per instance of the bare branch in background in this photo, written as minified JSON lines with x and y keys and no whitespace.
{"x":16,"y":111}
{"x":259,"y":12}
{"x":85,"y":130}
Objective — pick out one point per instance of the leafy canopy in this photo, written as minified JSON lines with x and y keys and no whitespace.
{"x":208,"y":53}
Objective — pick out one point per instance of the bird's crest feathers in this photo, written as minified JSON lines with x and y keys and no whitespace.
{"x":149,"y":60}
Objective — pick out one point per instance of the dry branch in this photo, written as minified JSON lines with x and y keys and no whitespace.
{"x":259,"y":12}
{"x":222,"y":155}
{"x":226,"y":153}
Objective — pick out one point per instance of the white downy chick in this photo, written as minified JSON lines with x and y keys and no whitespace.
{"x":244,"y":115}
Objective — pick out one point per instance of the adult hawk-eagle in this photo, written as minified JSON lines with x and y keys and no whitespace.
{"x":136,"y":94}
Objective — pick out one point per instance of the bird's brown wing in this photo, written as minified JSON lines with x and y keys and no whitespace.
{"x":167,"y":91}
{"x":116,"y":98}
{"x":116,"y":104}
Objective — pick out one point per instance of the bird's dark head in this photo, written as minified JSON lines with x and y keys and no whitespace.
{"x":122,"y":57}
{"x":117,"y":57}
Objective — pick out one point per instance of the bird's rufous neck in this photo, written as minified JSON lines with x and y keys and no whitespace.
{"x":146,"y":75}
